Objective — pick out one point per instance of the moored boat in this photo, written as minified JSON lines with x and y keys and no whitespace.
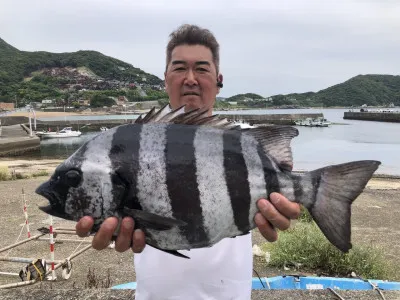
{"x":63,"y":133}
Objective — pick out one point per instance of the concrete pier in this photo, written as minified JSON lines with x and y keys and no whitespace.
{"x":16,"y":140}
{"x":373,"y":116}
{"x":277,"y":119}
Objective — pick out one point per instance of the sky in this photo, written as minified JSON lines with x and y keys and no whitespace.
{"x":267,"y":47}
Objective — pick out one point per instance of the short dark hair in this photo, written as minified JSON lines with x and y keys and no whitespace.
{"x":188,"y":34}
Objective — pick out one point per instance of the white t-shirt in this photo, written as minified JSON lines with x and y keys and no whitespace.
{"x":223,"y":271}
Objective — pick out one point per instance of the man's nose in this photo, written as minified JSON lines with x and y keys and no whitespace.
{"x":190,"y":78}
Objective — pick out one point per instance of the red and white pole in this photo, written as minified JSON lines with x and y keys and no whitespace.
{"x":26,"y":213}
{"x":53,"y":273}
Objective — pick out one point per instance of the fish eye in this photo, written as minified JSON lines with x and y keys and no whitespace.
{"x":72,"y":178}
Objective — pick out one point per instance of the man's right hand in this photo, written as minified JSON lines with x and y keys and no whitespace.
{"x":102,"y":238}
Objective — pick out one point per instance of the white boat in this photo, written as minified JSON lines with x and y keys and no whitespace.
{"x":243,"y":125}
{"x":309,"y":122}
{"x":63,"y":133}
{"x":103,"y":128}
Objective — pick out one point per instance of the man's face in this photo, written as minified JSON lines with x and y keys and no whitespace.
{"x":191,"y":77}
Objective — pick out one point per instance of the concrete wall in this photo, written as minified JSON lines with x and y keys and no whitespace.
{"x":372,"y":116}
{"x":281,"y":119}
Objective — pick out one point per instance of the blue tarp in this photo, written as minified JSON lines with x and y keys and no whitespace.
{"x":306,"y":283}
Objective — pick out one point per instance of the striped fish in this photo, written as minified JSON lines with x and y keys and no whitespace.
{"x":190,"y":180}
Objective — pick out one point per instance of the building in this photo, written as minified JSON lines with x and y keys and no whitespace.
{"x":6,"y":106}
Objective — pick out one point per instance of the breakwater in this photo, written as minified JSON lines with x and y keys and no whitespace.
{"x":277,"y":119}
{"x":16,"y":140}
{"x":373,"y":116}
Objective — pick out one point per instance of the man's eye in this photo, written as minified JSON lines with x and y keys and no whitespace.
{"x":179,"y":69}
{"x":202,"y":70}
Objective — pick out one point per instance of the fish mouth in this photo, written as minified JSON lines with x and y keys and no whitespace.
{"x":49,"y":209}
{"x":55,"y":208}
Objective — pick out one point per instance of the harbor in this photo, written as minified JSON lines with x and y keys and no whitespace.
{"x":374,"y":115}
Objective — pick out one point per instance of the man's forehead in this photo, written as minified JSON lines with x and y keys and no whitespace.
{"x":191,"y":54}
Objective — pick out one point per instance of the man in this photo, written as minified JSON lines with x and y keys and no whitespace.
{"x":223,"y":271}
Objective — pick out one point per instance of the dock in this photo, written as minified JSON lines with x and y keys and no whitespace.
{"x":276,"y":119}
{"x":16,"y":140}
{"x":373,"y":116}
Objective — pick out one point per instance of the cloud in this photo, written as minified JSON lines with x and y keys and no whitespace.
{"x":267,"y":47}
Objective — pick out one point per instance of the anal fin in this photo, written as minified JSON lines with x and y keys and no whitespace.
{"x":173,"y":252}
{"x":152,"y":221}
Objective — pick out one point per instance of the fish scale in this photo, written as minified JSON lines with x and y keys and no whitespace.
{"x":190,"y":180}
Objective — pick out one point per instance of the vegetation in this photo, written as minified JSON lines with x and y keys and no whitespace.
{"x":101,"y":101}
{"x":305,"y":247}
{"x":372,"y":90}
{"x":21,"y":78}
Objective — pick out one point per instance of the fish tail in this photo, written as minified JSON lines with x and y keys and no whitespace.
{"x":328,"y":193}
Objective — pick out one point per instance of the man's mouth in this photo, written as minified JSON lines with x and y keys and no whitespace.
{"x":191,"y":94}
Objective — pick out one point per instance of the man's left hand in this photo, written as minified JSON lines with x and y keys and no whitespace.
{"x":275,"y":214}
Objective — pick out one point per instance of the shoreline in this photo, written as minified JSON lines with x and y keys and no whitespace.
{"x":27,"y":168}
{"x":44,"y":114}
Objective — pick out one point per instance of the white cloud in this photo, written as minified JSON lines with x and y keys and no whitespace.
{"x":267,"y":47}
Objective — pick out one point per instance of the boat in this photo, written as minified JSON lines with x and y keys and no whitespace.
{"x":63,"y":133}
{"x":243,"y":125}
{"x":309,"y":122}
{"x":297,"y":282}
{"x":103,"y":128}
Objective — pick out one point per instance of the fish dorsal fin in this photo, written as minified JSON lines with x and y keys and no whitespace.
{"x":198,"y":116}
{"x":275,"y":140}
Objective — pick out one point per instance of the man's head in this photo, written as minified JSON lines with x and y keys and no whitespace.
{"x":192,"y":68}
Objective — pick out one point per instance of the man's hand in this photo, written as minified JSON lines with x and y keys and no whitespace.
{"x":102,"y":238}
{"x":275,"y":214}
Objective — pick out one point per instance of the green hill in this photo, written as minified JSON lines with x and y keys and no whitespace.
{"x":372,"y":90}
{"x":21,"y":73}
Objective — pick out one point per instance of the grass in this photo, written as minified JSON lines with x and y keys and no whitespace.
{"x":93,"y":280}
{"x":40,"y":173}
{"x":4,"y":173}
{"x":305,"y":247}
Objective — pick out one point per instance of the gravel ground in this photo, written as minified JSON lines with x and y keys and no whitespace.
{"x":374,"y":221}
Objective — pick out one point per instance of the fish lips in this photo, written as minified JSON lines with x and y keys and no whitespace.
{"x":54,"y":209}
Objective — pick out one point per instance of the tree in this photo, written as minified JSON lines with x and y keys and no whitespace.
{"x":101,"y":100}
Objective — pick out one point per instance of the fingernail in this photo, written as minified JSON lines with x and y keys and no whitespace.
{"x":275,"y":198}
{"x":85,"y":222}
{"x":263,"y":204}
{"x":127,"y":224}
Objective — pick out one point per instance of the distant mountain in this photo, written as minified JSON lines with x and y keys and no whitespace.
{"x":37,"y":75}
{"x":372,"y":90}
{"x":243,"y":97}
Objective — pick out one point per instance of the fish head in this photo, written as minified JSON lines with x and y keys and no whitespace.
{"x":85,"y":184}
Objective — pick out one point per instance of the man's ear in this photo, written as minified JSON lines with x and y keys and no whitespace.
{"x":220,"y":79}
{"x":165,"y":81}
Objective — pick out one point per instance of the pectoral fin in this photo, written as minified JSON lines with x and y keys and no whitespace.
{"x":152,"y":221}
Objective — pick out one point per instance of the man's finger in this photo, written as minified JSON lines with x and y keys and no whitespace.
{"x":103,"y":237}
{"x":272,"y":215}
{"x":84,"y":226}
{"x":124,"y":238}
{"x":139,"y":241}
{"x":267,"y":231}
{"x":288,"y":208}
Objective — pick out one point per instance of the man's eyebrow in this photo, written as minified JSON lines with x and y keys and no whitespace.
{"x":182,"y":62}
{"x":202,"y":63}
{"x":178,"y":62}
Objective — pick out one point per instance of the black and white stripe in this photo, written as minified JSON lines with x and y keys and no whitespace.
{"x":236,"y":176}
{"x":96,"y":168}
{"x":256,"y":179}
{"x":152,"y":183}
{"x":218,"y":215}
{"x":181,"y":181}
